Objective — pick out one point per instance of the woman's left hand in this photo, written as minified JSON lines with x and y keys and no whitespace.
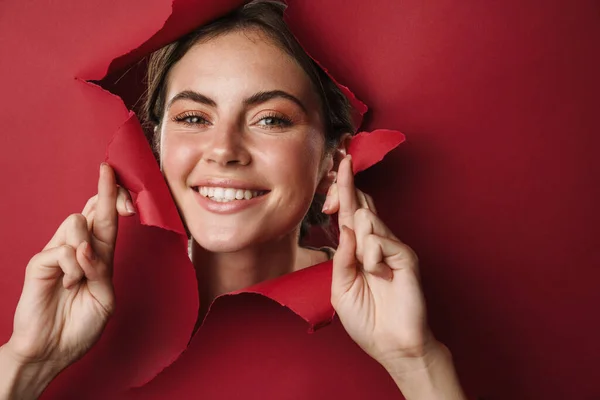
{"x":375,"y":289}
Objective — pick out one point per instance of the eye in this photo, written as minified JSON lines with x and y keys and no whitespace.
{"x":191,"y":119}
{"x":275,"y":121}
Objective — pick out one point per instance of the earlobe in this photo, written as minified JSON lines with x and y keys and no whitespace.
{"x":328,"y":175}
{"x":333,"y":163}
{"x":341,"y":150}
{"x":345,"y":143}
{"x":326,"y":182}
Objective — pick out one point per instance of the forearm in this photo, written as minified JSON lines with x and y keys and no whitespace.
{"x":22,"y":381}
{"x":431,"y":377}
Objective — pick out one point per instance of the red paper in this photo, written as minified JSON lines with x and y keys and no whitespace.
{"x":137,"y":170}
{"x":306,"y":292}
{"x":252,"y":347}
{"x":368,"y":148}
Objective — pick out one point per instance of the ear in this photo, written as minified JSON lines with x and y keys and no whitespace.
{"x":332,"y":162}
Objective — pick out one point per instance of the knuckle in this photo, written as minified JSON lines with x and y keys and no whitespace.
{"x":408,"y":254}
{"x":372,"y":240}
{"x":92,"y":200}
{"x":413,"y":256}
{"x":364,"y":214}
{"x":406,"y":250}
{"x":89,"y":207}
{"x":33,"y":261}
{"x":65,"y":251}
{"x":77,"y":221}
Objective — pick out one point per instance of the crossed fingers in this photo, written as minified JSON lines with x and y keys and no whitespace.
{"x":374,"y":242}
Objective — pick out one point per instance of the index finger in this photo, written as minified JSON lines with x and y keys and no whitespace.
{"x":105,"y":221}
{"x":346,"y":194}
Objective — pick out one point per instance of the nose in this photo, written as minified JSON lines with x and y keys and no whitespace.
{"x":227,"y":146}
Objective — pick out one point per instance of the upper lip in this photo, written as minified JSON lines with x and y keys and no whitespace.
{"x":228,"y":183}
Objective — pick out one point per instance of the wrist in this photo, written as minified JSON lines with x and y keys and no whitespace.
{"x":417,"y":357}
{"x":428,"y":376}
{"x":403,"y":367}
{"x":20,"y":379}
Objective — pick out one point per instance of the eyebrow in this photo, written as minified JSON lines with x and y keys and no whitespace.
{"x":257,"y":98}
{"x":262,"y":97}
{"x":194,"y":96}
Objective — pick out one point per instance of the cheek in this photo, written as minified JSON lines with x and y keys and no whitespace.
{"x":296,"y":164}
{"x":178,"y":158}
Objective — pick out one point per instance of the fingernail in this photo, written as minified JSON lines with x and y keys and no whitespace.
{"x":326,"y":204}
{"x":129,"y":206}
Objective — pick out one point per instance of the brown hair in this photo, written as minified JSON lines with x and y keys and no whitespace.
{"x":267,"y":16}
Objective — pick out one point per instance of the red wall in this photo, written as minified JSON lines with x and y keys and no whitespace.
{"x":496,"y":187}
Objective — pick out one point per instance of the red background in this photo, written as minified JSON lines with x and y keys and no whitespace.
{"x":496,"y":187}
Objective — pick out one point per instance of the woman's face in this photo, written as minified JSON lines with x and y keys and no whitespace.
{"x":242,"y":144}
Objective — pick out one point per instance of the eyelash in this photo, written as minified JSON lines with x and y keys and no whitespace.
{"x":183,"y":117}
{"x":282,"y":121}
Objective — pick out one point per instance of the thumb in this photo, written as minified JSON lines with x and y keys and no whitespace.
{"x":344,"y":263}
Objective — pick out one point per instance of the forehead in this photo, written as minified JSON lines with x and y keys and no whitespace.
{"x":242,"y":62}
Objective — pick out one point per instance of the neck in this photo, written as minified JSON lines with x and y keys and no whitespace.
{"x":220,"y":273}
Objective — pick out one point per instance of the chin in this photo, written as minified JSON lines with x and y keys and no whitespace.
{"x":222,"y":242}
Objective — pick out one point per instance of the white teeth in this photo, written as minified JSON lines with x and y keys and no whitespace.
{"x":220,"y":194}
{"x":229,"y":194}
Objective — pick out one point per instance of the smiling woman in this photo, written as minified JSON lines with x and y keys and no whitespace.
{"x":246,"y":118}
{"x":249,"y":132}
{"x":259,"y":21}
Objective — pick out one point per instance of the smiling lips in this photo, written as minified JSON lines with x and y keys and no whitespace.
{"x":228,"y":200}
{"x":228,"y":196}
{"x":225,"y":194}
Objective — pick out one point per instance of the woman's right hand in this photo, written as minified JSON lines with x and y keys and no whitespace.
{"x":68,"y":293}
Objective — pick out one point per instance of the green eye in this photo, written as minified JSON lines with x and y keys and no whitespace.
{"x":275,"y":121}
{"x":191,"y":119}
{"x":271,"y":121}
